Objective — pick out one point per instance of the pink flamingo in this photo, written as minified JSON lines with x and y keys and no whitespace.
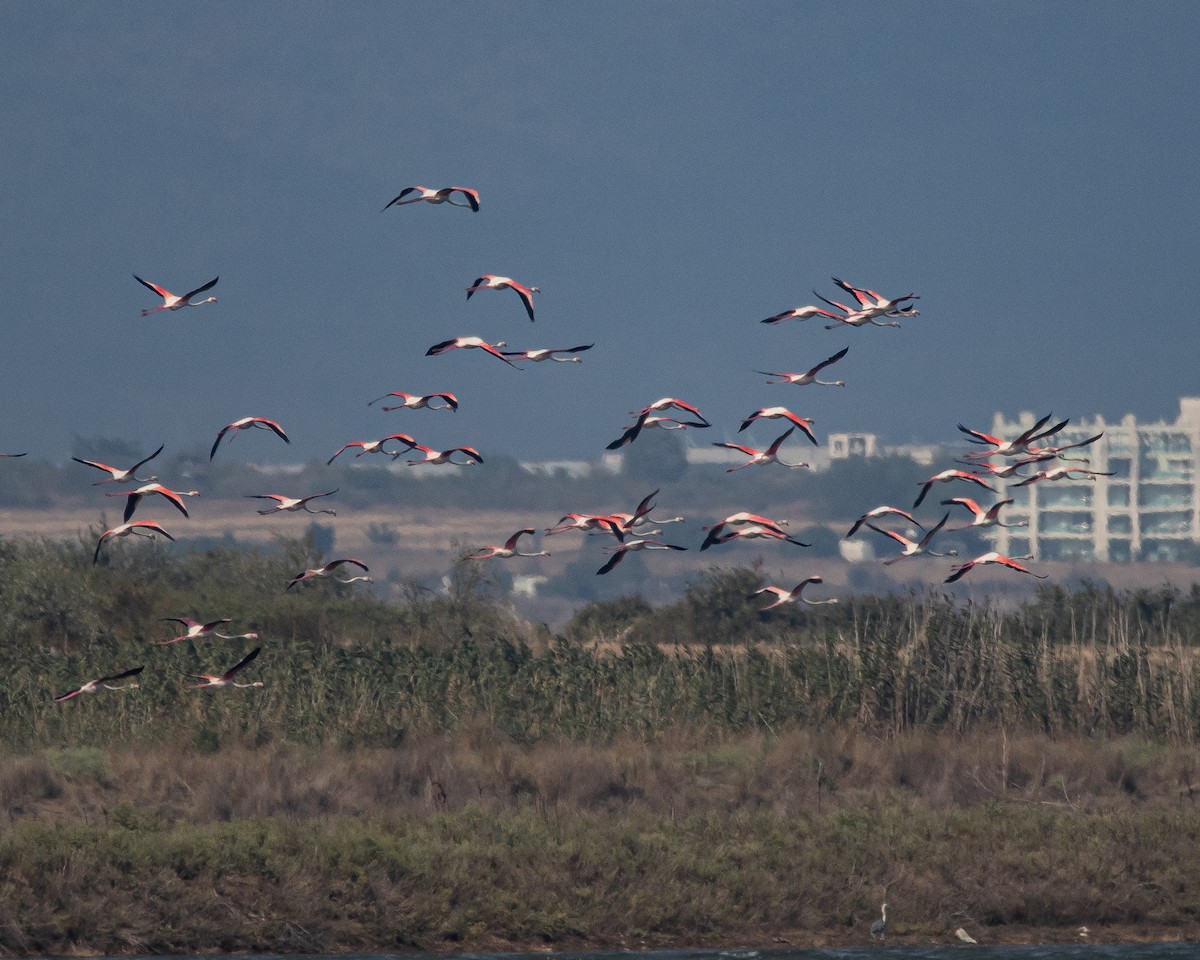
{"x":117,"y":475}
{"x":946,"y":476}
{"x":983,"y":518}
{"x":646,"y":420}
{"x":962,"y":569}
{"x":620,"y":524}
{"x":760,"y":458}
{"x":801,"y":313}
{"x":247,"y":423}
{"x":287,"y":504}
{"x":25,"y":454}
{"x":781,"y":413}
{"x":668,"y":403}
{"x":882,"y":512}
{"x":174,"y":497}
{"x":618,"y":553}
{"x":197,"y":630}
{"x":874,"y":304}
{"x":861,"y":318}
{"x":467,"y":343}
{"x":580,"y":521}
{"x":913,"y":548}
{"x":1058,"y":451}
{"x":226,"y":679}
{"x":537,"y":356}
{"x":375,"y":446}
{"x":810,"y":376}
{"x":1015,"y":447}
{"x":1010,"y":469}
{"x":172,"y":302}
{"x":1064,"y":473}
{"x":328,"y":569}
{"x":103,"y":683}
{"x":509,"y":549}
{"x":791,"y":596}
{"x":413,"y":401}
{"x":444,"y":195}
{"x":490,"y":281}
{"x":751,"y":531}
{"x":446,"y":456}
{"x":136,"y":528}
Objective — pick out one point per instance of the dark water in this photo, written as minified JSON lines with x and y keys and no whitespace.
{"x":1067,"y":951}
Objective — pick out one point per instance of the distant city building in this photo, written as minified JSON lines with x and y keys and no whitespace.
{"x":844,"y":446}
{"x":1148,"y":510}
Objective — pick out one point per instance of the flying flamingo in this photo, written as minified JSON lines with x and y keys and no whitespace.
{"x":760,"y":458}
{"x":801,"y":313}
{"x":667,"y":403}
{"x":946,"y":476}
{"x":753,"y":531}
{"x":619,"y":524}
{"x":444,"y":195}
{"x":328,"y":569}
{"x":913,"y":548}
{"x":226,"y":678}
{"x":103,"y":683}
{"x":962,"y":569}
{"x":791,"y":596}
{"x":881,"y":512}
{"x":25,"y":454}
{"x":174,"y":497}
{"x":1064,"y":473}
{"x":413,"y":401}
{"x":537,"y":356}
{"x":983,"y":518}
{"x":1010,"y":469}
{"x":489,"y":281}
{"x":580,"y":521}
{"x":860,"y":318}
{"x":618,"y":553}
{"x":466,"y":343}
{"x":645,"y":420}
{"x":117,"y":475}
{"x":1058,"y":451}
{"x":800,"y":379}
{"x":172,"y":302}
{"x":197,"y":630}
{"x":446,"y":456}
{"x":743,"y":519}
{"x":284,"y":504}
{"x":135,"y":528}
{"x":1015,"y":447}
{"x":872,"y":303}
{"x":509,"y":549}
{"x":375,"y":446}
{"x":247,"y":423}
{"x":777,"y":413}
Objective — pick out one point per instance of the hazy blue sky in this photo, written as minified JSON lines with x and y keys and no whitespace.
{"x":668,"y":174}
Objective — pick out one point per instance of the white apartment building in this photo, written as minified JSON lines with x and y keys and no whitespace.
{"x":1149,"y":509}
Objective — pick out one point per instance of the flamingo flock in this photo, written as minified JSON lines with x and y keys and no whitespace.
{"x":632,"y":531}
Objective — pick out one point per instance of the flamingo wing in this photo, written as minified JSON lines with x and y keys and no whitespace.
{"x":829,"y":361}
{"x":208,"y":286}
{"x":241,"y":664}
{"x":161,"y":291}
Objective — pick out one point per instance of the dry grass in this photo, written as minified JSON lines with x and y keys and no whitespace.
{"x":678,"y":774}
